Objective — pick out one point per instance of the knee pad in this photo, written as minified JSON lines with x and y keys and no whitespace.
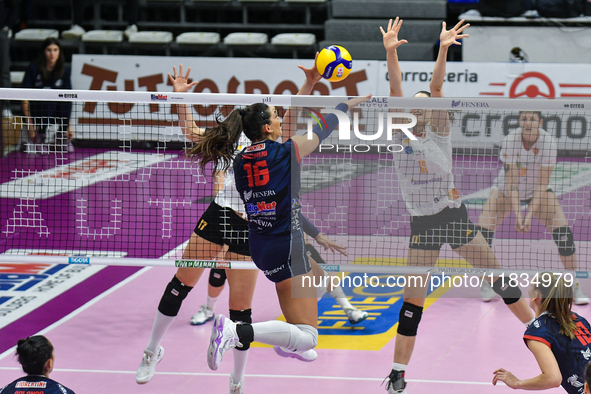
{"x":320,"y":290}
{"x":243,"y":316}
{"x":409,"y":319}
{"x":172,"y":299}
{"x":217,"y":277}
{"x":564,"y":240}
{"x":510,"y":294}
{"x":303,"y":337}
{"x":487,"y":234}
{"x":312,"y":252}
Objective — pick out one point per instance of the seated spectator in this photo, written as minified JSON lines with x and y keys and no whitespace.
{"x":37,"y":358}
{"x":76,"y":31}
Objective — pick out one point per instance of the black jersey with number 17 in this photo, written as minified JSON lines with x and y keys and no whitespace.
{"x":267,"y":177}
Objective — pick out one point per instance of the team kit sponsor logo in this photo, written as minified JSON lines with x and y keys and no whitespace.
{"x":36,"y":385}
{"x":262,"y":208}
{"x":250,"y":194}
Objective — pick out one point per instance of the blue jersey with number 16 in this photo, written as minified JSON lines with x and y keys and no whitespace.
{"x":267,"y":177}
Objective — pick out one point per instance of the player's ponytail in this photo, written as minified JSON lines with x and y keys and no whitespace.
{"x":557,"y":299}
{"x":33,"y":352}
{"x":218,"y":143}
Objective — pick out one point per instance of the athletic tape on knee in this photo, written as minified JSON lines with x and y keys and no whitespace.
{"x":217,"y":277}
{"x":487,"y":234}
{"x":243,"y":316}
{"x":564,"y":240}
{"x":510,"y":294}
{"x":409,"y":319}
{"x":312,"y":252}
{"x":173,"y":297}
{"x":303,"y":337}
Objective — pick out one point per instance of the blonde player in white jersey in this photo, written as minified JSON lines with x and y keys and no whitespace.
{"x":529,"y":155}
{"x":424,"y":171}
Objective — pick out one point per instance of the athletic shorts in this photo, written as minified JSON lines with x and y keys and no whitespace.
{"x":450,"y":226}
{"x":549,"y":190}
{"x":280,"y":257}
{"x":223,"y":226}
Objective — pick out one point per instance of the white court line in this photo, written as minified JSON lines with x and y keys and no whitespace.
{"x":96,"y":299}
{"x":82,"y":308}
{"x":225,"y":375}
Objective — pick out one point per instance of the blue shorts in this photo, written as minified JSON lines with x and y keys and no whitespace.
{"x":280,"y":257}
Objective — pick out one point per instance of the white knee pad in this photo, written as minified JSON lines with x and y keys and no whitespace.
{"x":303,"y":338}
{"x":320,"y":290}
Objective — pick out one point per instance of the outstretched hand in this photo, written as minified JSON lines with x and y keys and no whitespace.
{"x":328,"y":244}
{"x":179,"y":82}
{"x":390,"y":36}
{"x":502,"y":375}
{"x":450,"y":37}
{"x":312,"y":74}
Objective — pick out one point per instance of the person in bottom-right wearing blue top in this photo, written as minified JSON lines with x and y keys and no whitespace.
{"x":559,"y":338}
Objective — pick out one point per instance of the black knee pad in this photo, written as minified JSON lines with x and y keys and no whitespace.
{"x":243,"y":316}
{"x":312,"y":252}
{"x":564,"y":240}
{"x":409,"y":319}
{"x":510,"y":294}
{"x":487,"y":234}
{"x":173,"y":297}
{"x":217,"y":277}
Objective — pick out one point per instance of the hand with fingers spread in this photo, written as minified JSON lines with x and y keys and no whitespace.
{"x":391,"y":41}
{"x":179,"y":82}
{"x":328,"y":244}
{"x":450,"y":37}
{"x":312,"y":74}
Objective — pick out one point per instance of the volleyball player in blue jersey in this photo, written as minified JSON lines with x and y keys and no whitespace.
{"x":559,"y":338}
{"x":37,"y":358}
{"x":268,"y":179}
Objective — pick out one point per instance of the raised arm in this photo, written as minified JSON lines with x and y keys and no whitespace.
{"x":312,"y":77}
{"x":549,"y":378}
{"x":391,"y":43}
{"x":181,"y":84}
{"x":440,"y":119}
{"x":307,"y":146}
{"x":446,"y":39}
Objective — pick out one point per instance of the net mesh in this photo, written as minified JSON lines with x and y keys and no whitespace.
{"x":125,"y":192}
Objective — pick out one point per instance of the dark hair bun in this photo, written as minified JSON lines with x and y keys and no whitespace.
{"x":242,"y":112}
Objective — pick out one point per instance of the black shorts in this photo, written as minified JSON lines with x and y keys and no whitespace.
{"x":549,"y":190}
{"x":223,"y":226}
{"x":450,"y":226}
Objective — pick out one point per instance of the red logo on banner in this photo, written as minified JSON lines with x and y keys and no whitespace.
{"x":531,"y":90}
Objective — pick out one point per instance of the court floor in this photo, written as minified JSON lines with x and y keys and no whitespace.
{"x":99,"y":318}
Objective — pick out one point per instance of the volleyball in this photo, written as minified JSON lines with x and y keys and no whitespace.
{"x":334,"y":63}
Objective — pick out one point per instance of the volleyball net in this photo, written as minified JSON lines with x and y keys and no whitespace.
{"x":127,"y":194}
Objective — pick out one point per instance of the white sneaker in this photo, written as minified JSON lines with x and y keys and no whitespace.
{"x":74,"y":33}
{"x":355,"y":315}
{"x":129,"y":30}
{"x":223,"y":338}
{"x":203,"y":316}
{"x":148,"y":366}
{"x":307,"y":356}
{"x":486,"y":291}
{"x":236,"y":388}
{"x":580,"y":297}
